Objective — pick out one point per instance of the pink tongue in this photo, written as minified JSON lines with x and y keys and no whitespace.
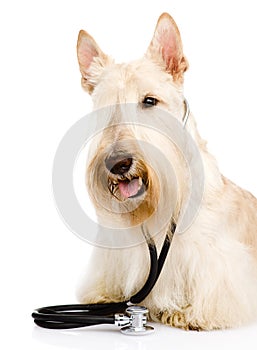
{"x":129,"y":188}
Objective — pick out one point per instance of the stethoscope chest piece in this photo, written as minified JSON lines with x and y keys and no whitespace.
{"x":137,"y":321}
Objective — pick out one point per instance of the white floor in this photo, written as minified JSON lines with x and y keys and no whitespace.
{"x":109,"y":337}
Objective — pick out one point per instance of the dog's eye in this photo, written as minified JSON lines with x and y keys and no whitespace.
{"x":150,"y":101}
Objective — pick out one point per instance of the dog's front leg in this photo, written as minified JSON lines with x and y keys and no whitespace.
{"x":95,"y":287}
{"x":114,"y":275}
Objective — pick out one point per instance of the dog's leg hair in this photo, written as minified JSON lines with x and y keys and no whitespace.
{"x":211,"y":284}
{"x":114,"y":275}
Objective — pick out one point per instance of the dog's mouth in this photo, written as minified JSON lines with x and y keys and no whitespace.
{"x":127,"y":188}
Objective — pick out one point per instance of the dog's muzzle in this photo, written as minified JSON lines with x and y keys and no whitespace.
{"x":125,"y":180}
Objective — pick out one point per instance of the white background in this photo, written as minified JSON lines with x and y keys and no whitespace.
{"x":41,"y":98}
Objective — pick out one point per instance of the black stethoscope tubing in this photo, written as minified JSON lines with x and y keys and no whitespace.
{"x":82,"y":315}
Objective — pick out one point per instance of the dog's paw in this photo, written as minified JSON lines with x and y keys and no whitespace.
{"x":99,"y":299}
{"x":178,"y":319}
{"x":95,"y":296}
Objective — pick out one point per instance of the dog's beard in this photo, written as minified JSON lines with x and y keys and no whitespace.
{"x":129,"y":182}
{"x":122,"y":200}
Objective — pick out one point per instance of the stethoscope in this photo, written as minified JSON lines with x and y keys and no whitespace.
{"x":128,"y":315}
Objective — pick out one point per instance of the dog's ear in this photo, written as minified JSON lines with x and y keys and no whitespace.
{"x":89,"y":52}
{"x":166,"y":47}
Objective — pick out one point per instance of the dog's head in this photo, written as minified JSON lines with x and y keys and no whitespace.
{"x":127,"y":168}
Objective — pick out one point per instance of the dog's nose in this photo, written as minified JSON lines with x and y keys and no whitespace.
{"x":119,"y":165}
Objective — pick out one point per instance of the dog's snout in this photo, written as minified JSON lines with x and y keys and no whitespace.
{"x":119,"y":165}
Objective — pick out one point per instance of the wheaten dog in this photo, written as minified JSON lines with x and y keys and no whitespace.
{"x":209,"y":280}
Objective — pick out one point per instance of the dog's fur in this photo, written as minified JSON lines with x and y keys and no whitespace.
{"x":209,"y":280}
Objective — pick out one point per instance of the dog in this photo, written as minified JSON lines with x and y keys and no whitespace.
{"x":209,"y":280}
